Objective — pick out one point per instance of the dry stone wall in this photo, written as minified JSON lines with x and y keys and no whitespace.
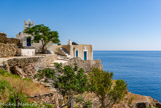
{"x":9,"y":46}
{"x":5,"y":40}
{"x":28,"y":66}
{"x":87,"y":65}
{"x":2,"y":38}
{"x":8,"y":50}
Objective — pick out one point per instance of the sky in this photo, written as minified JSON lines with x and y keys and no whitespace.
{"x":106,"y":24}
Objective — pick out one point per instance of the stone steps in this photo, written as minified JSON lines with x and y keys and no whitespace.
{"x":58,"y":61}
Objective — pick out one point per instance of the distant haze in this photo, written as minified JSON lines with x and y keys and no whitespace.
{"x":106,"y":24}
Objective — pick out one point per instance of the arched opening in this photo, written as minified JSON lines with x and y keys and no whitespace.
{"x":76,"y":53}
{"x":85,"y":55}
{"x":73,"y":52}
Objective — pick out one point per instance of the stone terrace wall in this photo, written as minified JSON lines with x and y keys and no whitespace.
{"x":8,"y":50}
{"x":9,"y":46}
{"x":2,"y":37}
{"x":5,"y":40}
{"x":46,"y":60}
{"x":87,"y":65}
{"x":28,"y":66}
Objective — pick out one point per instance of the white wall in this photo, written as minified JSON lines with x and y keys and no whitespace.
{"x":28,"y":52}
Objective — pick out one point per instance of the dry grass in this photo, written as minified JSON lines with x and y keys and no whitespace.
{"x":26,"y":86}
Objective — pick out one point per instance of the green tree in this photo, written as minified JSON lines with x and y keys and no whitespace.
{"x":101,"y":83}
{"x":70,"y":83}
{"x":44,"y":34}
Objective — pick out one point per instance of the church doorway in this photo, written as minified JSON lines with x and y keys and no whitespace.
{"x":29,"y":41}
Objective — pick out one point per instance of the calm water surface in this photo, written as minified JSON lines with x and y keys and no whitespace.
{"x":140,"y":69}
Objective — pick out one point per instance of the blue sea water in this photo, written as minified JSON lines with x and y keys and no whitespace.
{"x":140,"y":69}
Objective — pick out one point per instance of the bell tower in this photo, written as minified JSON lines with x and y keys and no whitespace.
{"x":28,"y":24}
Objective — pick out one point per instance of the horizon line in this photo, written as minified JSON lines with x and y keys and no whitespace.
{"x":126,"y":50}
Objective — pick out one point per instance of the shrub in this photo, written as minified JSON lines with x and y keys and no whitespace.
{"x":101,"y":84}
{"x":71,"y":82}
{"x":119,"y":91}
{"x":45,"y":73}
{"x":87,"y":104}
{"x":81,"y":101}
{"x":59,"y":67}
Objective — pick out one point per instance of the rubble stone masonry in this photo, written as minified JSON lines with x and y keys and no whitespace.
{"x":5,"y":40}
{"x":8,"y":50}
{"x":9,"y":46}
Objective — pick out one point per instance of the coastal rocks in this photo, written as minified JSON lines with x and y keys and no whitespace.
{"x":158,"y":105}
{"x":87,"y":65}
{"x":147,"y":105}
{"x":142,"y":105}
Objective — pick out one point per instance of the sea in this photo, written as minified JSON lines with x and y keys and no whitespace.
{"x":141,"y":70}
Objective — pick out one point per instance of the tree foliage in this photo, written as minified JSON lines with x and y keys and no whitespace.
{"x":101,"y":83}
{"x":119,"y":90}
{"x":58,"y":67}
{"x":44,"y":34}
{"x":46,"y":74}
{"x":71,"y":82}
